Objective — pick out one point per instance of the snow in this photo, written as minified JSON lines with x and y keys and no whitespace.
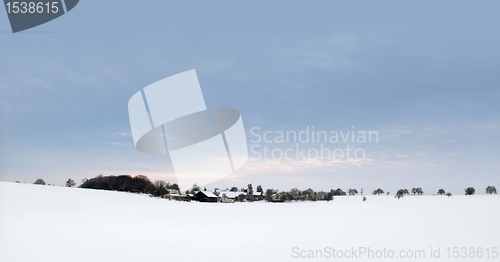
{"x":48,"y":223}
{"x":232,"y":194}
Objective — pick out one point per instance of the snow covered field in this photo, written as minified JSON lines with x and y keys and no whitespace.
{"x":47,"y":223}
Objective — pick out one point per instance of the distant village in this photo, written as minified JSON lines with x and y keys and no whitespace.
{"x":223,"y":196}
{"x":165,"y":190}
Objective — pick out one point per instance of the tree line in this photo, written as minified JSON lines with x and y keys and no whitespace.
{"x":127,"y":183}
{"x":142,"y":184}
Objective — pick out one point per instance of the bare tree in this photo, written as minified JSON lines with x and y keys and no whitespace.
{"x":70,"y":183}
{"x":159,"y":183}
{"x":39,"y":182}
{"x":470,"y":191}
{"x":250,"y":193}
{"x":336,"y":192}
{"x":194,"y":188}
{"x":491,"y":190}
{"x":269,"y":194}
{"x":417,"y":190}
{"x":400,"y":193}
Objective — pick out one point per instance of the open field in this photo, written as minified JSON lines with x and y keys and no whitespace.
{"x":47,"y":223}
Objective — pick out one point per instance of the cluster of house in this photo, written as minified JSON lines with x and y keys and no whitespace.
{"x":216,"y":196}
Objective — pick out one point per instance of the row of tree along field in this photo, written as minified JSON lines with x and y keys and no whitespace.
{"x":124,"y":183}
{"x":142,"y":184}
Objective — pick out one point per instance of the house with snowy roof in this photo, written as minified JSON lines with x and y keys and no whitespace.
{"x":205,"y":196}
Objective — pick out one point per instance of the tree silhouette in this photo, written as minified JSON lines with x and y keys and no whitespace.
{"x":70,"y":183}
{"x":194,"y":188}
{"x":173,"y":186}
{"x":470,"y":191}
{"x":250,"y":193}
{"x":491,"y":190}
{"x":127,"y":183}
{"x":336,"y":192}
{"x":269,"y":194}
{"x":441,"y":191}
{"x":39,"y":182}
{"x":378,"y":191}
{"x":400,"y":193}
{"x":417,"y":190}
{"x":295,"y":193}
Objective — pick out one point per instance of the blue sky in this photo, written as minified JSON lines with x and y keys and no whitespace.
{"x":423,"y":75}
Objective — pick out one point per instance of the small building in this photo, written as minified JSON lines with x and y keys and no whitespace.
{"x":257,"y":196}
{"x":205,"y":196}
{"x":229,"y":197}
{"x":276,"y":198}
{"x":225,"y":199}
{"x":178,"y":197}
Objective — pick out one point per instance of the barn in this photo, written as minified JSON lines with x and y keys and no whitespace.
{"x":205,"y":196}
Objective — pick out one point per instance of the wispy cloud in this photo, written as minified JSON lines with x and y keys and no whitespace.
{"x":331,"y":53}
{"x":120,"y":144}
{"x":269,"y":166}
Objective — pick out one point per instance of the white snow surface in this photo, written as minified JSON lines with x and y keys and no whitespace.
{"x":48,"y":223}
